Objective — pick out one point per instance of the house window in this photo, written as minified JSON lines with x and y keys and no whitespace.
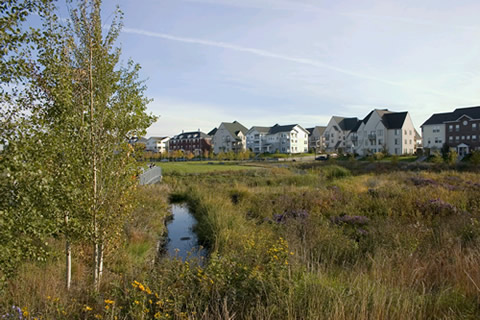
{"x":396,"y":141}
{"x":450,"y":138}
{"x":405,"y":141}
{"x":468,"y":137}
{"x":457,"y":127}
{"x":474,"y":126}
{"x":436,"y":140}
{"x":405,"y":132}
{"x":380,"y":141}
{"x":457,"y":138}
{"x":450,"y":127}
{"x":430,"y":141}
{"x":410,"y":132}
{"x":474,"y":137}
{"x":380,"y":132}
{"x":410,"y":141}
{"x":397,"y":132}
{"x":463,"y":137}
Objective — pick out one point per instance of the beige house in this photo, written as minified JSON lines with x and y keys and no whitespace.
{"x":316,"y":139}
{"x":383,"y":131}
{"x":230,"y":136}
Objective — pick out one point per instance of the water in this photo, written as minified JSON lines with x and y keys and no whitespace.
{"x":181,"y":238}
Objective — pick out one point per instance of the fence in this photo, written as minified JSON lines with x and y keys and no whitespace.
{"x":151,"y":176}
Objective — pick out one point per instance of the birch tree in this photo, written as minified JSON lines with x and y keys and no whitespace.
{"x":114,"y":108}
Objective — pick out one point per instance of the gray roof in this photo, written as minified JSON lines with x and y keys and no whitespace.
{"x":321,"y":130}
{"x":394,"y":120}
{"x":278,"y":128}
{"x":439,"y":118}
{"x":235,"y":128}
{"x":390,"y":119}
{"x":212,"y":132}
{"x":347,"y":124}
{"x":260,"y":129}
{"x":193,"y":134}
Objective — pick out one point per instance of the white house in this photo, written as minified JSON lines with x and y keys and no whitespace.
{"x":230,"y":136}
{"x":383,"y":131}
{"x":287,"y":139}
{"x":157,"y":144}
{"x":337,"y":131}
{"x":434,"y":131}
{"x":257,"y":139}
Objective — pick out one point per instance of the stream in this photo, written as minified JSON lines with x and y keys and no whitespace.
{"x":182,"y":240}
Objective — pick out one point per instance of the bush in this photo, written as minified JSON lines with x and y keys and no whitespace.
{"x":334,"y":172}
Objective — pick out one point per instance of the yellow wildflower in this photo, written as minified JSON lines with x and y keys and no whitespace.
{"x":87,"y":308}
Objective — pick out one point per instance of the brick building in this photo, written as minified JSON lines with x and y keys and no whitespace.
{"x":459,"y":129}
{"x":196,"y":142}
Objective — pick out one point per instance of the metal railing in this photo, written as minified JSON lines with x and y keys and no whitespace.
{"x":151,"y":176}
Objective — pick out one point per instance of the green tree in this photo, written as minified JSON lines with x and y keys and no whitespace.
{"x":25,"y":224}
{"x":114,"y":107}
{"x":452,"y":157}
{"x":475,"y":158}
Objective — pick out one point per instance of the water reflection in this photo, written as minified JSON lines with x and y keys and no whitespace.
{"x":182,"y":241}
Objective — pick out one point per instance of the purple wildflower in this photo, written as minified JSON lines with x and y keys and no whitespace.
{"x":351,"y":220}
{"x":419,"y":181}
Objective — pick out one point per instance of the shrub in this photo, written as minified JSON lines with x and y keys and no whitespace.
{"x":334,"y":172}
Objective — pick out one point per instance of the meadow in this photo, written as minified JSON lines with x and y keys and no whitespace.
{"x":330,"y":240}
{"x":199,"y":167}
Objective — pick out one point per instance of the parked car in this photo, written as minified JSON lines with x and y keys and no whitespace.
{"x":322,"y":157}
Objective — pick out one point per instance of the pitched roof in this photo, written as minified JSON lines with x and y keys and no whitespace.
{"x":439,"y":118}
{"x":472,"y":112}
{"x":235,"y":128}
{"x":212,"y":132}
{"x":278,"y":128}
{"x":260,"y":129}
{"x":320,"y":129}
{"x":394,"y":120}
{"x":355,"y":129}
{"x":347,"y":124}
{"x":192,"y":134}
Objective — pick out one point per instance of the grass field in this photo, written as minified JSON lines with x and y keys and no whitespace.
{"x":202,"y":167}
{"x":317,"y":240}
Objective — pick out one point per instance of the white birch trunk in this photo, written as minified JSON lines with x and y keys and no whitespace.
{"x":68,"y":258}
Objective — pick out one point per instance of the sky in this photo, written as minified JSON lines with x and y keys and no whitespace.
{"x":263,"y":62}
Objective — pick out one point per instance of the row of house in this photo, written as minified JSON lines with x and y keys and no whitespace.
{"x":381,"y":130}
{"x":459,"y":130}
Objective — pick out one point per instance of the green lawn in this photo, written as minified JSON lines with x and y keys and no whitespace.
{"x":202,"y":167}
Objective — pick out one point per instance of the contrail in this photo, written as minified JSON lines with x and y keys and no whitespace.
{"x":257,"y":52}
{"x":273,"y":55}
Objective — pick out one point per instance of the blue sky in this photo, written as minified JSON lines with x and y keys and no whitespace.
{"x":263,"y":62}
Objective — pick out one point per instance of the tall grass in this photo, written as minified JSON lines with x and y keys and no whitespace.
{"x":306,"y":242}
